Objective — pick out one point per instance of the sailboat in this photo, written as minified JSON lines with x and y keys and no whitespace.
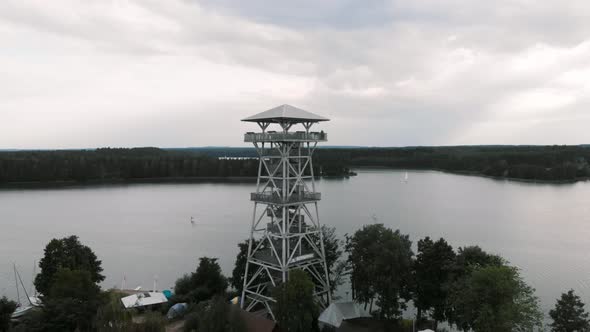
{"x":21,"y":310}
{"x":32,"y":301}
{"x":406,"y":178}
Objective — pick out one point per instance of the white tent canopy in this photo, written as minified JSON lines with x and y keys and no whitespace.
{"x":337,"y":312}
{"x":143,"y":299}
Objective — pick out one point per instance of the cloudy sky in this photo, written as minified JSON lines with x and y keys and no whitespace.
{"x":83,"y":74}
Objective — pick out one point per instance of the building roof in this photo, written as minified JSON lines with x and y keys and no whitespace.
{"x":285,"y":113}
{"x":335,"y":313}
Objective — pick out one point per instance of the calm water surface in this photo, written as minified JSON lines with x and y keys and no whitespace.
{"x":143,"y":231}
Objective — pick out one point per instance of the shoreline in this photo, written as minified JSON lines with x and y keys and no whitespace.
{"x":471,"y":173}
{"x":89,"y":183}
{"x":572,"y":181}
{"x":179,"y":180}
{"x":252,"y":179}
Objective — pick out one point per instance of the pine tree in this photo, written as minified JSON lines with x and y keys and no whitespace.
{"x":569,"y":314}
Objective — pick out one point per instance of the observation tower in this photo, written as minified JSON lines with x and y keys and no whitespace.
{"x":285,"y":232}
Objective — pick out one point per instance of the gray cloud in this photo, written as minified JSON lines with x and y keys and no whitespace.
{"x":183,"y":72}
{"x":309,"y":14}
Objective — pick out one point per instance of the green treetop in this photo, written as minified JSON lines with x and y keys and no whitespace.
{"x":569,"y":314}
{"x":202,"y":284}
{"x":295,"y":309}
{"x":433,"y":269}
{"x":71,"y":302}
{"x":381,"y":262}
{"x":7,"y":307}
{"x":495,"y":299}
{"x":66,"y":253}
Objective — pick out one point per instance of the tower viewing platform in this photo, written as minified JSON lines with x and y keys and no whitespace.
{"x":275,"y":198}
{"x":298,"y":136}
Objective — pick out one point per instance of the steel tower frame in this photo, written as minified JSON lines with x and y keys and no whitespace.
{"x":285,"y":232}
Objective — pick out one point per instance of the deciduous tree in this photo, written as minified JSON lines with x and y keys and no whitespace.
{"x":295,"y":309}
{"x":66,"y":253}
{"x":381,"y":262}
{"x":72,"y":301}
{"x":112,"y":316}
{"x":433,"y":270}
{"x":202,"y":284}
{"x":7,"y":307}
{"x":216,"y":315}
{"x":333,"y":248}
{"x":495,"y":299}
{"x":468,"y":259}
{"x":473,"y":257}
{"x":237,"y":279}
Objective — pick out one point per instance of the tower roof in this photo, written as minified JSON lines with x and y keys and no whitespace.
{"x":285,"y":113}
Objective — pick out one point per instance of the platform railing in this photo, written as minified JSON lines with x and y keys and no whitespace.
{"x":298,"y":136}
{"x":276,"y":198}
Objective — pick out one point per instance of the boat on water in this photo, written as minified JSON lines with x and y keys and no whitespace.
{"x":32,"y":301}
{"x":20,"y":312}
{"x":23,"y":309}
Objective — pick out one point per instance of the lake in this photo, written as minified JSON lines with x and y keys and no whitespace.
{"x":143,"y":231}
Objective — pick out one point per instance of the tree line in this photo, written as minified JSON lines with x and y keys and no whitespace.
{"x":526,"y":162}
{"x":468,"y":288}
{"x":116,"y":164}
{"x":107,"y":165}
{"x":542,"y":163}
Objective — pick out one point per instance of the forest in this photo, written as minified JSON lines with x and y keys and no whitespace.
{"x":540,"y":163}
{"x":537,"y":163}
{"x":108,"y":164}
